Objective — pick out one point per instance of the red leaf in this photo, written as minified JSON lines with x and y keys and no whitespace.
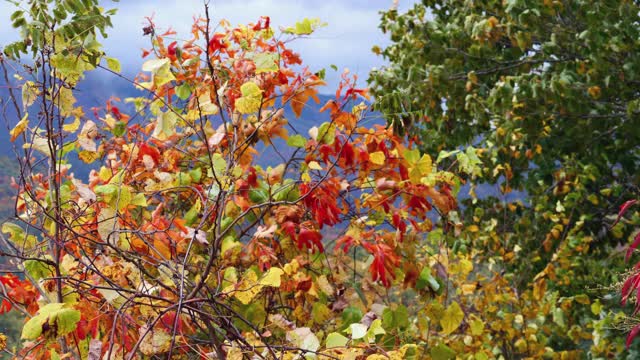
{"x":633,"y":246}
{"x":263,"y":23}
{"x":632,"y":334}
{"x":623,"y":209}
{"x":5,"y":307}
{"x":171,"y":49}
{"x":345,"y":243}
{"x":217,"y":43}
{"x":82,"y":328}
{"x":384,"y":262}
{"x":628,"y":286}
{"x":309,"y":238}
{"x":148,"y":150}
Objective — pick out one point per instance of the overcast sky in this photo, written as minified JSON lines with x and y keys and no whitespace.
{"x":346,"y":42}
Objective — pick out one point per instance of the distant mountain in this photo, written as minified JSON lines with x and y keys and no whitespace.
{"x":96,"y":89}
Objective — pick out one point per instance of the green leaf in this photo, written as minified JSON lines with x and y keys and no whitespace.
{"x":114,"y":64}
{"x":445,"y":154}
{"x":374,"y":329}
{"x":119,"y":129}
{"x":469,"y":161}
{"x":60,"y":320}
{"x":184,"y":91}
{"x":304,"y":27}
{"x":351,"y":315}
{"x":442,"y":352}
{"x":258,"y":196}
{"x":327,"y":133}
{"x":426,"y":279}
{"x":412,"y":156}
{"x":297,"y":141}
{"x":335,"y":339}
{"x":38,"y":269}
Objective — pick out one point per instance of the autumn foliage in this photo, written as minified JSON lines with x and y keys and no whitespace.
{"x":183,"y":239}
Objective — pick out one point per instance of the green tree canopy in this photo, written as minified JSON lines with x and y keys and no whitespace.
{"x":546,"y":92}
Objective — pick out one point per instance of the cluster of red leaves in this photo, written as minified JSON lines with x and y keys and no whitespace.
{"x":631,"y":285}
{"x":20,"y":292}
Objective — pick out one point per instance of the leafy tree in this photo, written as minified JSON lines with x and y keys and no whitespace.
{"x":543,"y":97}
{"x":183,"y":240}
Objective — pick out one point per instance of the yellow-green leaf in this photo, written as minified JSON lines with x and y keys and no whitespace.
{"x":29,"y":94}
{"x":335,"y":339}
{"x":452,"y":318}
{"x":114,"y":64}
{"x":477,"y":326}
{"x":165,"y":125}
{"x":266,"y":62}
{"x":58,"y":317}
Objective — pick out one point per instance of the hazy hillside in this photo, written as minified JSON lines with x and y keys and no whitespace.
{"x":96,"y":89}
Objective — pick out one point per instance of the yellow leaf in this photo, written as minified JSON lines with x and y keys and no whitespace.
{"x":292,"y":267}
{"x":421,"y":169}
{"x":65,"y":100}
{"x":377,"y":158}
{"x":272,"y":277}
{"x":19,"y":128}
{"x":305,"y":177}
{"x":73,"y":126}
{"x":251,"y":98}
{"x":477,"y":326}
{"x":88,"y":156}
{"x":205,"y":106}
{"x":539,"y":288}
{"x":161,"y":69}
{"x":465,"y":267}
{"x":248,"y":287}
{"x":313,"y":165}
{"x":452,"y":318}
{"x":324,"y":285}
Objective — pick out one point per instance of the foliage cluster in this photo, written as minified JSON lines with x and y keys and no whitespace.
{"x":181,"y":243}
